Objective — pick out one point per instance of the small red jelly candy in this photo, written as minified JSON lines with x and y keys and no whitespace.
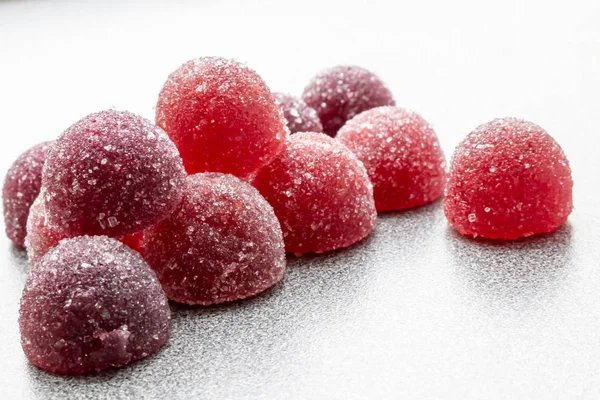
{"x":41,"y":237}
{"x":21,"y":187}
{"x":299,"y":116}
{"x":92,"y":303}
{"x":321,"y":194}
{"x":112,"y":173}
{"x":223,"y":243}
{"x":221,"y":116}
{"x":508,"y":179}
{"x":340,"y":93}
{"x":402,"y":156}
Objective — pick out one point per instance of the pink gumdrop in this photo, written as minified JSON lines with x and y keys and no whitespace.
{"x":402,"y":156}
{"x":508,"y":179}
{"x":299,"y":116}
{"x":221,"y":116}
{"x":21,"y":187}
{"x":92,"y":303}
{"x":321,"y":194}
{"x":223,"y":243}
{"x":112,"y":173}
{"x":340,"y":93}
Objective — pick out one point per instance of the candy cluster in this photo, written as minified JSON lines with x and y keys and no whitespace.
{"x":120,"y":214}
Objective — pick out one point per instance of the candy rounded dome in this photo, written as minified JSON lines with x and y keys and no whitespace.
{"x":92,"y":303}
{"x":111,"y":173}
{"x":223,"y":243}
{"x":340,"y":93}
{"x":508,"y":179}
{"x":221,"y":116}
{"x":321,"y":194}
{"x":21,"y":187}
{"x":402,"y":156}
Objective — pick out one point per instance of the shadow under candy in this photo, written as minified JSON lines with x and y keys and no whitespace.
{"x":511,"y":275}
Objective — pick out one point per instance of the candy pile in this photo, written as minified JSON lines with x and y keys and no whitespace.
{"x":120,"y":215}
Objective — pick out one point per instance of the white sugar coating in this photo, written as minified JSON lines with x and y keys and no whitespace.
{"x":112,"y":173}
{"x":401,"y":153}
{"x":223,"y":243}
{"x":321,"y":194}
{"x":340,"y":93}
{"x":21,"y":187}
{"x":40,"y":237}
{"x":299,"y":116}
{"x":92,"y":303}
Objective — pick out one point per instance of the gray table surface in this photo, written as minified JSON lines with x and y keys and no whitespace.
{"x":414,"y":311}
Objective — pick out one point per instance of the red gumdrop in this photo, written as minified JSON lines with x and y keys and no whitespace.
{"x":321,"y":194}
{"x":299,"y":116}
{"x":92,"y":303}
{"x":221,"y":116}
{"x":21,"y":187}
{"x":112,"y":173}
{"x":340,"y":93}
{"x":402,"y":156}
{"x":41,"y":237}
{"x":223,"y":243}
{"x":508,"y":179}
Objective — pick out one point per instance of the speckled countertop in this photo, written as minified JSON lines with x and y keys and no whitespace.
{"x":414,"y":311}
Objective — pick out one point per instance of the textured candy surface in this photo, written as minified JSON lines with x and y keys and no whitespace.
{"x":320,"y":192}
{"x":112,"y":173}
{"x":223,"y":243}
{"x":508,"y":179}
{"x":221,"y":116}
{"x":340,"y":93}
{"x":41,"y":237}
{"x":299,"y":116}
{"x":92,"y":303}
{"x":402,"y":156}
{"x":21,"y":187}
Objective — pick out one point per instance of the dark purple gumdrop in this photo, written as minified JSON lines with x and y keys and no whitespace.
{"x":92,"y":303}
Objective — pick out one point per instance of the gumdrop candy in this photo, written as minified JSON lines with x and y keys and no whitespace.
{"x":112,"y":173}
{"x":508,"y":179}
{"x":92,"y":303}
{"x":221,"y":116}
{"x":321,"y":194}
{"x":223,"y":243}
{"x":340,"y":93}
{"x":299,"y":116}
{"x":402,"y":156}
{"x":21,"y":187}
{"x":41,"y":237}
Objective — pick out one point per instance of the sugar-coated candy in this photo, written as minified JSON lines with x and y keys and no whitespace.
{"x":21,"y":187}
{"x":112,"y":173}
{"x":92,"y":303}
{"x":321,"y":194}
{"x":221,"y":116}
{"x":508,"y":179}
{"x":223,"y":243}
{"x":299,"y":116}
{"x":401,"y":153}
{"x":340,"y":93}
{"x":41,"y":237}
